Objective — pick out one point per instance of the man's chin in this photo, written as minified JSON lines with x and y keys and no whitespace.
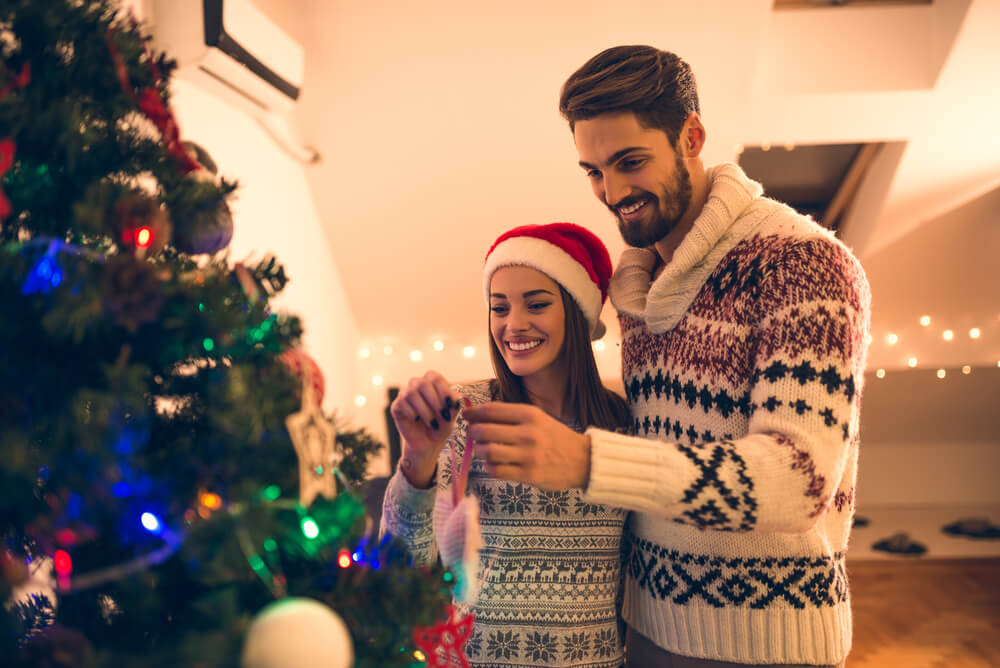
{"x":638,"y":235}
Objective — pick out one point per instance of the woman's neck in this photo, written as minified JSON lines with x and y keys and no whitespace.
{"x":548,"y":390}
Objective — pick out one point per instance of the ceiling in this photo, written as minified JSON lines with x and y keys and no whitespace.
{"x":438,"y":129}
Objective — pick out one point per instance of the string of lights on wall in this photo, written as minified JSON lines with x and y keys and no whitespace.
{"x":892,"y":339}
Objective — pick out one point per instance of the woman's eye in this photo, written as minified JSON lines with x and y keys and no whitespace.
{"x":499,"y":310}
{"x":538,"y":306}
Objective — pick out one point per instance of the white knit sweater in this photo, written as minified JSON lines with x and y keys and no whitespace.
{"x":550,"y":568}
{"x":742,"y":363}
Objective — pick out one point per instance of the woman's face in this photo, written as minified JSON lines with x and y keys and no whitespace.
{"x":527,"y":319}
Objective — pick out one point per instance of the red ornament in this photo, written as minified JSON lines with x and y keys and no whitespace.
{"x":63,"y":562}
{"x":6,"y":160}
{"x":449,"y":636}
{"x":304,"y":367}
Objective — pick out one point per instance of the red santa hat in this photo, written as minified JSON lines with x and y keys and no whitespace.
{"x":570,"y":255}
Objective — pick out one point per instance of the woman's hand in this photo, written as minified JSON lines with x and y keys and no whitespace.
{"x":424,"y":413}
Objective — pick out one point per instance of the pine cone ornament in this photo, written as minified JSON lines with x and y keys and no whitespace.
{"x":133,"y":292}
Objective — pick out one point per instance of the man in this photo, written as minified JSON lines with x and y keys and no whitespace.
{"x":744,"y":333}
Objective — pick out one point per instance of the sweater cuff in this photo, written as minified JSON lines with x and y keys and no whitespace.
{"x":626,"y":472}
{"x":416,"y":501}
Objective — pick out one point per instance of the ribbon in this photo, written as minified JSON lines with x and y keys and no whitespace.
{"x":151,"y":104}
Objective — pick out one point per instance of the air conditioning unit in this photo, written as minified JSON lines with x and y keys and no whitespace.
{"x":234,"y":50}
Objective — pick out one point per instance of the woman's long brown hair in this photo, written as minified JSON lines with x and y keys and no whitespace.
{"x":591,"y":404}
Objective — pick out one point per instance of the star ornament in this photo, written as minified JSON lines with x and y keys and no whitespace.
{"x":315,"y":441}
{"x":449,"y":637}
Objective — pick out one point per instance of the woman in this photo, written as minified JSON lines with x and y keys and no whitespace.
{"x":549,"y":566}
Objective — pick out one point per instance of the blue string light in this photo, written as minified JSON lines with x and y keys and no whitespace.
{"x":151,"y":523}
{"x":46,"y":274}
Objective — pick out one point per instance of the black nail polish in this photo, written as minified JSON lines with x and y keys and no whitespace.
{"x":446,"y":414}
{"x":417,"y":418}
{"x":434,"y":424}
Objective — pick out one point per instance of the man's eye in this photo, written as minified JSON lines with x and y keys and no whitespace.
{"x":593,"y":174}
{"x":632,"y":164}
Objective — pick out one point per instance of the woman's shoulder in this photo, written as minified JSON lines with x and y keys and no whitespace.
{"x":478,"y":392}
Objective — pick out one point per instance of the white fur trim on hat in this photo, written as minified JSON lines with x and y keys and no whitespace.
{"x":555,"y":263}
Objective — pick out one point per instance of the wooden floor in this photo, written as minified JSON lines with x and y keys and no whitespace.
{"x":919,"y":613}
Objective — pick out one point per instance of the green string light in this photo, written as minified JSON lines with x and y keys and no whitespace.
{"x":208,"y":344}
{"x":201,"y":306}
{"x":309,"y":528}
{"x":271,"y":493}
{"x":270,"y":545}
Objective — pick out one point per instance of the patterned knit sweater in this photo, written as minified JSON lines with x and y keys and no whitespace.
{"x":549,"y":569}
{"x":742,"y":363}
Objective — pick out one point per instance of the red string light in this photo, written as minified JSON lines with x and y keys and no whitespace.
{"x":143,"y":237}
{"x":344,"y":558}
{"x":63,"y":562}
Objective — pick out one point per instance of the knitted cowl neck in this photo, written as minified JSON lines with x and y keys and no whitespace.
{"x":716,"y":231}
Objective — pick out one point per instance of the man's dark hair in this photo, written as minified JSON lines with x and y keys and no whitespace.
{"x":657,"y":86}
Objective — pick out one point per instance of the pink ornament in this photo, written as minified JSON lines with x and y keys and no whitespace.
{"x":305,"y":368}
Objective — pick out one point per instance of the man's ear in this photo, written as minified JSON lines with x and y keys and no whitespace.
{"x":692,"y":137}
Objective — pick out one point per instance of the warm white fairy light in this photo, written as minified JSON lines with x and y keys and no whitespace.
{"x":925,"y":320}
{"x":880,"y":373}
{"x":439,"y":345}
{"x":947,"y":335}
{"x":377,"y":380}
{"x":364,"y":353}
{"x":892,"y":339}
{"x":974,"y":333}
{"x":941,"y":373}
{"x":599,"y":346}
{"x":387,"y":350}
{"x":360,"y":400}
{"x":912,"y":362}
{"x":469,"y":352}
{"x":416,"y":355}
{"x":966,"y":369}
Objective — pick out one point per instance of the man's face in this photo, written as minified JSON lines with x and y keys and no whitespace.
{"x":636,"y":173}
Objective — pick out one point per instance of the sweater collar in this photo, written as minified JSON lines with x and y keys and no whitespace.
{"x":716,"y":230}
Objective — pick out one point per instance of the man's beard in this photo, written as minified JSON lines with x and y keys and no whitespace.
{"x":668,"y":209}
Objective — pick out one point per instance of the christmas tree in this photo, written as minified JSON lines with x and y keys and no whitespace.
{"x":164,"y":450}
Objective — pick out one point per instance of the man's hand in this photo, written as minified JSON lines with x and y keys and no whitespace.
{"x":523,"y":443}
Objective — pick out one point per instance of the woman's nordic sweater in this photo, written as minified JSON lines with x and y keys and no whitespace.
{"x":742,"y":363}
{"x":549,"y":570}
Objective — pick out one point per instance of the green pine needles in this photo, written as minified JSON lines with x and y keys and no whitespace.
{"x":142,"y":401}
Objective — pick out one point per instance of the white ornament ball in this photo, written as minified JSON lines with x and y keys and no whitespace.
{"x":296,"y":632}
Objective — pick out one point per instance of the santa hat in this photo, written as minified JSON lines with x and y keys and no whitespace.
{"x":570,"y":255}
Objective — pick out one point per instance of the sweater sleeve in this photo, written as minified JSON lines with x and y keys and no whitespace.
{"x":808,"y":350}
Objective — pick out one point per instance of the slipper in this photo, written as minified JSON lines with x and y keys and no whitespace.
{"x":900,"y":543}
{"x":973,"y":527}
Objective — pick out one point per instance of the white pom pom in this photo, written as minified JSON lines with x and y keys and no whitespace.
{"x":297,"y":632}
{"x":460,"y":540}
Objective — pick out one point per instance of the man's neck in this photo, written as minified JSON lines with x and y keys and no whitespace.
{"x":700,"y":188}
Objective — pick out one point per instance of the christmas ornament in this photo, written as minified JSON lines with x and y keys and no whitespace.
{"x":6,"y":160}
{"x":20,"y":80}
{"x":301,"y":365}
{"x":134,"y":297}
{"x":315,"y":441}
{"x":210,"y":228}
{"x":444,"y":644}
{"x":457,"y":529}
{"x":297,"y":632}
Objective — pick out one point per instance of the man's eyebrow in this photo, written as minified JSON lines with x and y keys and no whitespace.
{"x":616,"y":156}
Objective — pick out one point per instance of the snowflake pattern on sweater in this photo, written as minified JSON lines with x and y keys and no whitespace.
{"x":550,"y":566}
{"x":742,"y":364}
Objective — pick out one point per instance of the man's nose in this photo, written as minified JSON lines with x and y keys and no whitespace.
{"x":615,"y":190}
